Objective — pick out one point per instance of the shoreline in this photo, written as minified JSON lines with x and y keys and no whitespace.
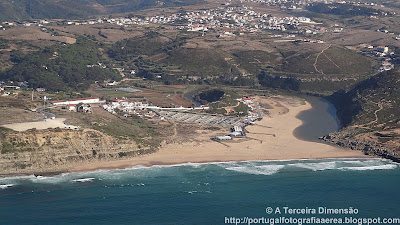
{"x":259,"y":145}
{"x":141,"y":166}
{"x":322,"y":111}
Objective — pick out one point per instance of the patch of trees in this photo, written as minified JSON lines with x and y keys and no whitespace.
{"x":242,"y":109}
{"x":278,"y":82}
{"x":60,"y":67}
{"x":209,"y":96}
{"x":149,"y":44}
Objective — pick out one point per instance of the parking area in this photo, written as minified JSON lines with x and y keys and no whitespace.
{"x":226,"y":121}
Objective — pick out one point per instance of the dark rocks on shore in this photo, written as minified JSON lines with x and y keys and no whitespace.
{"x":343,"y":139}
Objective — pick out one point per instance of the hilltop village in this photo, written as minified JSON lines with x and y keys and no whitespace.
{"x":231,"y":20}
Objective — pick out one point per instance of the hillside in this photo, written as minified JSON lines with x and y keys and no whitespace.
{"x":345,"y":10}
{"x":17,"y":10}
{"x":380,"y":92}
{"x":330,"y":60}
{"x":370,"y":113}
{"x":185,"y":58}
{"x":61,"y":67}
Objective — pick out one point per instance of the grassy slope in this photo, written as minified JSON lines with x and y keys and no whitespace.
{"x":168,"y":56}
{"x":253,"y":60}
{"x":358,"y":105}
{"x":347,"y":62}
{"x":200,"y":62}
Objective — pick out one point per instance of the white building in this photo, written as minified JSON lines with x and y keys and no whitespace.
{"x":223,"y":138}
{"x":236,"y":134}
{"x":77,"y":101}
{"x":237,"y":129}
{"x":71,"y":107}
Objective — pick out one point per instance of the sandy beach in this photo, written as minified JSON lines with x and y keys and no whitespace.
{"x":269,"y":139}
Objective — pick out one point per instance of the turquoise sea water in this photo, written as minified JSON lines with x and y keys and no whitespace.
{"x":202,"y":193}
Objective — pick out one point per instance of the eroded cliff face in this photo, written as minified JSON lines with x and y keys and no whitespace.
{"x":385,"y":144}
{"x":56,"y":150}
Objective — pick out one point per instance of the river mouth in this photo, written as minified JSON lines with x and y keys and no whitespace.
{"x":318,"y":121}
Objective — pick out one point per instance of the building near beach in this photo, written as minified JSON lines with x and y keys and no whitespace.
{"x":76,"y":101}
{"x":223,"y":138}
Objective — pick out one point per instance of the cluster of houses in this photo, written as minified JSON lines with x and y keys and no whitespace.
{"x":383,"y":53}
{"x":254,"y":112}
{"x":226,"y":16}
{"x":143,"y":109}
{"x":386,"y":65}
{"x":39,"y":23}
{"x":12,"y":88}
{"x":8,"y":89}
{"x":242,"y":18}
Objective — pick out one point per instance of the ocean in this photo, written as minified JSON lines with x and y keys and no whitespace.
{"x":209,"y":193}
{"x":250,"y":192}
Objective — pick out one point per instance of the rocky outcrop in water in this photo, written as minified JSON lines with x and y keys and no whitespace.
{"x":368,"y":147}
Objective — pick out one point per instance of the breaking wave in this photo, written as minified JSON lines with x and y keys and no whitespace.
{"x":249,"y":167}
{"x":258,"y":170}
{"x":273,"y":167}
{"x":82,"y":180}
{"x":4,"y":186}
{"x":382,"y":167}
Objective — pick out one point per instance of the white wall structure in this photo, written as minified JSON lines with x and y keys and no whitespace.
{"x":77,"y":101}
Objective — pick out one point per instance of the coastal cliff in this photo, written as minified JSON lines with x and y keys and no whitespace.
{"x":365,"y":144}
{"x":369,"y":113}
{"x":58,"y":150}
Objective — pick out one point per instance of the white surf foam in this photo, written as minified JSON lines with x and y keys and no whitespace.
{"x":258,"y":170}
{"x":51,"y":180}
{"x":83,"y":180}
{"x":380,"y":167}
{"x":4,"y":186}
{"x":367,"y":162}
{"x":316,"y":166}
{"x":259,"y":167}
